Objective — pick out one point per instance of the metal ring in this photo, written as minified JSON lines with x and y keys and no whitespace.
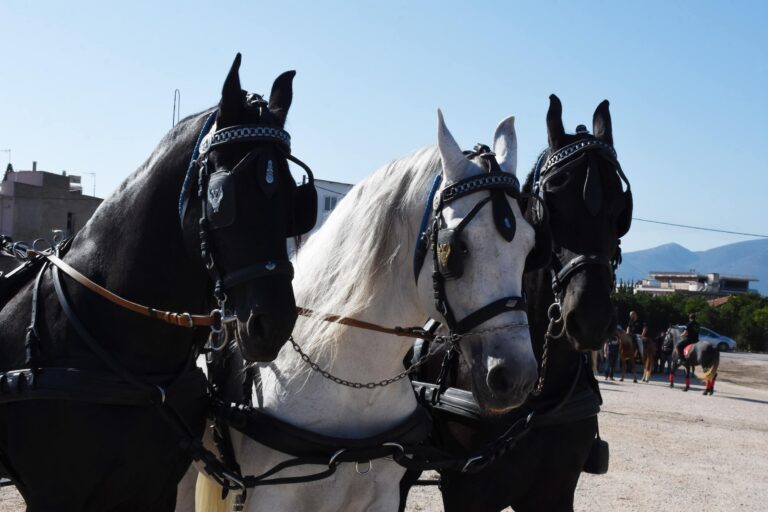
{"x":552,"y":307}
{"x":217,"y":326}
{"x":213,"y":346}
{"x":20,"y":250}
{"x":162,"y":394}
{"x":37,"y":240}
{"x":58,"y":236}
{"x":357,"y":468}
{"x":332,"y":461}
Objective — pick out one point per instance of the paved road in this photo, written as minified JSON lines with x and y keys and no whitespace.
{"x":725,"y":356}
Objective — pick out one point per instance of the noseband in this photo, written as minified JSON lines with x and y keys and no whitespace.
{"x":444,"y":242}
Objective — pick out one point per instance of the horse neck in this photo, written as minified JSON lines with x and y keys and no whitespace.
{"x":350,"y":353}
{"x":133,"y":246}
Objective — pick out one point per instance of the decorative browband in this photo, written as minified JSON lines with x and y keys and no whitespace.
{"x":574,"y":148}
{"x":491,"y":180}
{"x":245,"y":133}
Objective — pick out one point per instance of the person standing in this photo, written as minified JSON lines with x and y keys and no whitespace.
{"x":690,"y":335}
{"x":611,"y":351}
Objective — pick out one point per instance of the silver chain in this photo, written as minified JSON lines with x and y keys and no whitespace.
{"x":452,"y":339}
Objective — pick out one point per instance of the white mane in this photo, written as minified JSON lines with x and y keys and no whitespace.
{"x":364,"y":248}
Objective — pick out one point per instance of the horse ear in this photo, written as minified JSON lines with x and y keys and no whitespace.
{"x":454,"y":162}
{"x":601,"y":123}
{"x":281,"y":96}
{"x":555,"y":129}
{"x":231,"y":95}
{"x":505,"y":145}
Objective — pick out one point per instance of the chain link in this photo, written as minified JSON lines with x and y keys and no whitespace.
{"x":450,"y":339}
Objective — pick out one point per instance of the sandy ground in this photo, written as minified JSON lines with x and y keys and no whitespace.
{"x":669,"y":449}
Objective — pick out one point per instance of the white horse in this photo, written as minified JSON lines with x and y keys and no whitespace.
{"x":360,"y":265}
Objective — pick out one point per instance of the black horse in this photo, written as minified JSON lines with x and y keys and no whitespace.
{"x":702,"y":353}
{"x":109,"y":403}
{"x":570,"y":310}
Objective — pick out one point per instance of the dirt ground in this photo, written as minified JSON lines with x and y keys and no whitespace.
{"x":668,"y":448}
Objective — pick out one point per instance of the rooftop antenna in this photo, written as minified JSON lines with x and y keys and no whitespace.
{"x":176,"y":107}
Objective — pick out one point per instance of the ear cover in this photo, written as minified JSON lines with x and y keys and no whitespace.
{"x":220,"y":205}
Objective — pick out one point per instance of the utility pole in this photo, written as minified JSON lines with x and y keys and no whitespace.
{"x":93,"y":175}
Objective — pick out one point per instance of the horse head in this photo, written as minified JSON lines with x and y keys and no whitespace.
{"x":580,"y":180}
{"x":250,"y":205}
{"x":473,"y":282}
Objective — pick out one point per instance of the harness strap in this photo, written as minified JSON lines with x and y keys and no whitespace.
{"x":406,"y":332}
{"x":178,"y":319}
{"x":489,"y":311}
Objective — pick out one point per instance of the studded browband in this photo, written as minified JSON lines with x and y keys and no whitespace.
{"x":244,"y":133}
{"x":572,"y":149}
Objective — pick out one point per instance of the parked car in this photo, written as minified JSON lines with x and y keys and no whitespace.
{"x":723,"y":343}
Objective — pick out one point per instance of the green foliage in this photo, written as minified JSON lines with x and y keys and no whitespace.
{"x":743,"y":318}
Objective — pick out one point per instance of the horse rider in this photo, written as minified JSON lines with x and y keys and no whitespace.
{"x":637,"y":329}
{"x":690,"y":335}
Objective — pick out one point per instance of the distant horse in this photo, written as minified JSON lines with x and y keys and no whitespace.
{"x":101,"y":407}
{"x":580,"y":181}
{"x":649,"y":357}
{"x":627,"y":355}
{"x":436,"y":226}
{"x":702,"y":353}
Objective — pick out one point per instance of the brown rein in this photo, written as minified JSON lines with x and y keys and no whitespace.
{"x":179,"y":319}
{"x":406,"y":332}
{"x":215,"y":317}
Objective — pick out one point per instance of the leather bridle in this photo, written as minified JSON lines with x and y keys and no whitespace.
{"x":492,"y":181}
{"x":209,"y":139}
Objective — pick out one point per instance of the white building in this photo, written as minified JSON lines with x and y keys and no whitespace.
{"x":711,"y":284}
{"x":329,"y":193}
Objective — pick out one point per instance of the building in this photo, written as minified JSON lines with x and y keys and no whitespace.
{"x":329,"y":193}
{"x":34,"y":203}
{"x":710,"y":285}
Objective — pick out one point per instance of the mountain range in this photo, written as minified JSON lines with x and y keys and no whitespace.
{"x":740,"y":259}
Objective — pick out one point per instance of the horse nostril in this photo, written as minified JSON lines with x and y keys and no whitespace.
{"x":255,"y":326}
{"x":572,"y":325}
{"x":497,"y":379}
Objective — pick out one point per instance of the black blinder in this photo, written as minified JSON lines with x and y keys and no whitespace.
{"x":624,"y":221}
{"x":503,"y":216}
{"x":220,"y":206}
{"x":537,"y":214}
{"x":593,"y":186}
{"x":450,"y":254}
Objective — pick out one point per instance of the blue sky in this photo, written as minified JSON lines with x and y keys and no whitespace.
{"x":88,"y":87}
